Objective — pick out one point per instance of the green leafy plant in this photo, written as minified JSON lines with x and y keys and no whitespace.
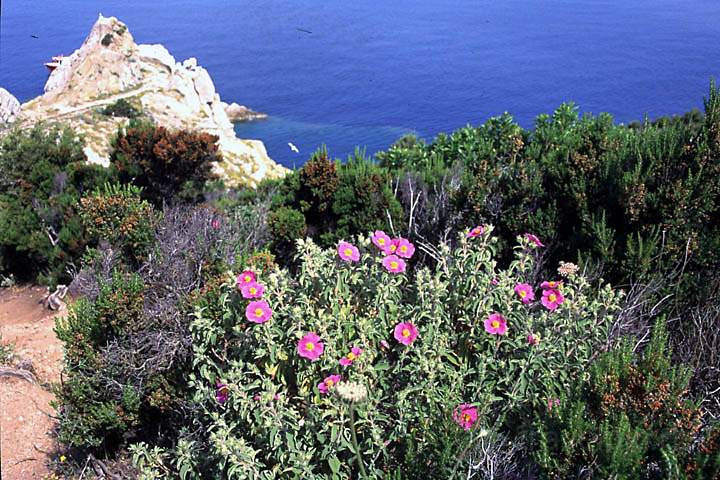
{"x":631,"y":419}
{"x":271,"y":407}
{"x":43,"y":174}
{"x":118,"y":215}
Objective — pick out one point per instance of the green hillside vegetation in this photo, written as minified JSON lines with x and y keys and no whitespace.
{"x":535,"y":303}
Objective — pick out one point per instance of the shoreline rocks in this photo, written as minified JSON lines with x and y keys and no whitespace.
{"x":110,"y":66}
{"x":240,"y":113}
{"x":9,"y":107}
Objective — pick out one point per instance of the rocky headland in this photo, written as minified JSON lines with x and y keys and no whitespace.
{"x":110,"y":66}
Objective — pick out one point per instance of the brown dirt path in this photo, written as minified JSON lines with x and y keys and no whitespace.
{"x":27,"y":443}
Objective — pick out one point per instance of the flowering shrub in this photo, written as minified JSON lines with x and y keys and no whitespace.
{"x":371,"y":369}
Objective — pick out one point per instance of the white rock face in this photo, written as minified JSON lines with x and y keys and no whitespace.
{"x":9,"y":107}
{"x":241,"y":113}
{"x":110,"y":66}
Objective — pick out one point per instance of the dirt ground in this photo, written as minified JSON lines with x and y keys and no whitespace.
{"x":26,"y":418}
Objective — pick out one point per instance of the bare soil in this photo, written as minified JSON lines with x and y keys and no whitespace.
{"x":27,"y":442}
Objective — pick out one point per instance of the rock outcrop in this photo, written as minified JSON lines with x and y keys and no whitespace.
{"x":241,"y":113}
{"x":110,"y":66}
{"x":9,"y":107}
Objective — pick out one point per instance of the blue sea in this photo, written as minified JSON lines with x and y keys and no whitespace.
{"x":363,"y":73}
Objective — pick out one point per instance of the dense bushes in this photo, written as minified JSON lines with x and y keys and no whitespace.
{"x":167,"y":357}
{"x":170,"y":166}
{"x":127,"y":342}
{"x":43,"y":174}
{"x":631,"y":419}
{"x":330,"y":201}
{"x":116,"y":214}
{"x":635,"y":200}
{"x":45,"y":181}
{"x":411,"y":403}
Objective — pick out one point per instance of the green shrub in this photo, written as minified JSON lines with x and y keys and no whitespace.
{"x":169,"y":166}
{"x":121,"y":108}
{"x":632,"y":419}
{"x":286,"y":224}
{"x":330,"y":201}
{"x":93,"y":414}
{"x":119,"y":216}
{"x":43,"y":174}
{"x":277,"y":423}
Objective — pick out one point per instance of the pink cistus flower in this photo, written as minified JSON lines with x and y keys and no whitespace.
{"x":494,"y":282}
{"x":252,"y":290}
{"x":329,"y":382}
{"x":533,"y":339}
{"x":221,"y":392}
{"x":215,"y":224}
{"x":496,"y":324}
{"x":348,"y":252}
{"x":352,"y":355}
{"x":534,"y":239}
{"x":394,"y":264}
{"x":465,"y":415}
{"x":552,"y":299}
{"x":258,"y":311}
{"x":525,"y":292}
{"x":551,"y":285}
{"x":310,"y":346}
{"x":476,"y":232}
{"x":381,"y":240}
{"x":405,"y":333}
{"x":248,"y":276}
{"x":405,"y":248}
{"x":392,"y":247}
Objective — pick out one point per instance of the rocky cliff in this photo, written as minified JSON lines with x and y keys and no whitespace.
{"x":110,"y":66}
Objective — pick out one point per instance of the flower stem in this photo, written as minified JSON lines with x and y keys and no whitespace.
{"x":356,"y":446}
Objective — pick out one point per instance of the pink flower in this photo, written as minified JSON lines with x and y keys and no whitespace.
{"x":525,"y":292}
{"x":476,"y":232}
{"x":310,"y":346}
{"x":495,"y":282}
{"x":252,"y":290}
{"x":552,"y":299}
{"x":381,"y":240}
{"x":329,"y":382}
{"x":256,"y":397}
{"x":248,"y":276}
{"x":215,"y":223}
{"x":495,"y":324}
{"x":405,"y":249}
{"x":221,"y":392}
{"x":348,"y":252}
{"x":534,"y":239}
{"x":406,"y":333}
{"x":533,"y":339}
{"x":551,"y":285}
{"x":384,"y":344}
{"x":258,"y":311}
{"x":392,"y":248}
{"x":351,"y":356}
{"x":465,"y":415}
{"x":394,"y":264}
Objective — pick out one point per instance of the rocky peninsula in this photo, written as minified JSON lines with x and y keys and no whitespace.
{"x":109,"y":67}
